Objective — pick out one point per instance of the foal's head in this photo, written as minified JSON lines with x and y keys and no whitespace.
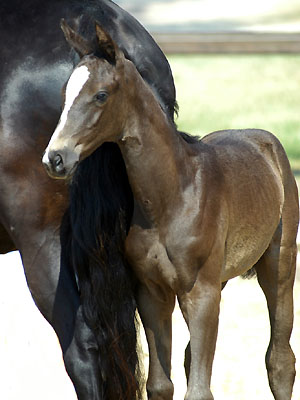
{"x":95,"y":103}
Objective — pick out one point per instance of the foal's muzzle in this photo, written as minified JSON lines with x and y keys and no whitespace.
{"x":59,"y":164}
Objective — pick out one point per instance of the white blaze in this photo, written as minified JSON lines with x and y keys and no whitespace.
{"x":74,"y":86}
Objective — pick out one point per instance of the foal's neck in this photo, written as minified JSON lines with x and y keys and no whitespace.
{"x":154,"y":154}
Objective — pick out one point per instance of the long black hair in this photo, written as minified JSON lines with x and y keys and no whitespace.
{"x":99,"y":216}
{"x":100,"y":212}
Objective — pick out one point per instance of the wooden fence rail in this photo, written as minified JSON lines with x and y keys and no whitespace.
{"x":239,"y":42}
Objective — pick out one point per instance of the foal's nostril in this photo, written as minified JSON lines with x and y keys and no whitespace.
{"x":57,"y":163}
{"x":57,"y":160}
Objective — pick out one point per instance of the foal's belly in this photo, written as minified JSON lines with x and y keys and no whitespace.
{"x":246,"y":245}
{"x":241,"y":256}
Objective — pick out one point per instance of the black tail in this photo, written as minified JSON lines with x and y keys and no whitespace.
{"x":101,"y":206}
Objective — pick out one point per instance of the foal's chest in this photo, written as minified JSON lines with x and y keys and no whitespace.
{"x":148,"y":257}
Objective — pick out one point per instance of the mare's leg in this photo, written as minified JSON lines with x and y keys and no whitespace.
{"x":276,"y":273}
{"x":35,"y":230}
{"x":155,"y":305}
{"x":200,"y":308}
{"x":32,"y":206}
{"x":54,"y":290}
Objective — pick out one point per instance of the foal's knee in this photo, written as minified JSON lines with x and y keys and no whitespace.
{"x":160,"y":390}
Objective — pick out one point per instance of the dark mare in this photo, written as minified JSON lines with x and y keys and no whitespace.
{"x":212,"y":210}
{"x":98,"y":339}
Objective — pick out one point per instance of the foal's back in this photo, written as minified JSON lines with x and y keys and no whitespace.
{"x":250,"y":156}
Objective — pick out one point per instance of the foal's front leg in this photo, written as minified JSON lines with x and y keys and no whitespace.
{"x":156,"y":304}
{"x":200,"y":307}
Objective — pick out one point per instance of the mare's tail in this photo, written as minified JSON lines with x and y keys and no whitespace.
{"x":101,"y":206}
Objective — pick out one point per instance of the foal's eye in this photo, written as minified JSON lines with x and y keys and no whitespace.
{"x":101,"y":97}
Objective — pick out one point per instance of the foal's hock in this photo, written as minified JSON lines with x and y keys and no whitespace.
{"x":205,"y":212}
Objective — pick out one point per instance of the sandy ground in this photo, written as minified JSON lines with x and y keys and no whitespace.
{"x":31,"y":366}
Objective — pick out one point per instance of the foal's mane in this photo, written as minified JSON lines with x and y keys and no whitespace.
{"x":187,"y":137}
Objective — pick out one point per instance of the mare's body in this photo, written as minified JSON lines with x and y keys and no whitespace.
{"x":35,"y":63}
{"x":211,"y":211}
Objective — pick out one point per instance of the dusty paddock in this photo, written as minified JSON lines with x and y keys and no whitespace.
{"x":30,"y":359}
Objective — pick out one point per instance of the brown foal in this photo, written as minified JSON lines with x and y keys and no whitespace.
{"x":206,"y":212}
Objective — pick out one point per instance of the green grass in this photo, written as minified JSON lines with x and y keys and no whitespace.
{"x":240,"y":91}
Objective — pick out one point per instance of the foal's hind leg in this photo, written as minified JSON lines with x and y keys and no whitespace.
{"x":276,"y":273}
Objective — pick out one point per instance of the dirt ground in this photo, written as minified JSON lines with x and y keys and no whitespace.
{"x":31,"y":366}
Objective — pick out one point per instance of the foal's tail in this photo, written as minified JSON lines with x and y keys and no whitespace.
{"x":100,"y":212}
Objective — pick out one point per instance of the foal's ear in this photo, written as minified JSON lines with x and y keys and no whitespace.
{"x":79,"y":43}
{"x":107,"y":46}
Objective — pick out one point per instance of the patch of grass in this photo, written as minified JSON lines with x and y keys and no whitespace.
{"x":240,"y":91}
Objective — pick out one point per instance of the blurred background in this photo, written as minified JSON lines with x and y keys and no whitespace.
{"x":236,"y":65}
